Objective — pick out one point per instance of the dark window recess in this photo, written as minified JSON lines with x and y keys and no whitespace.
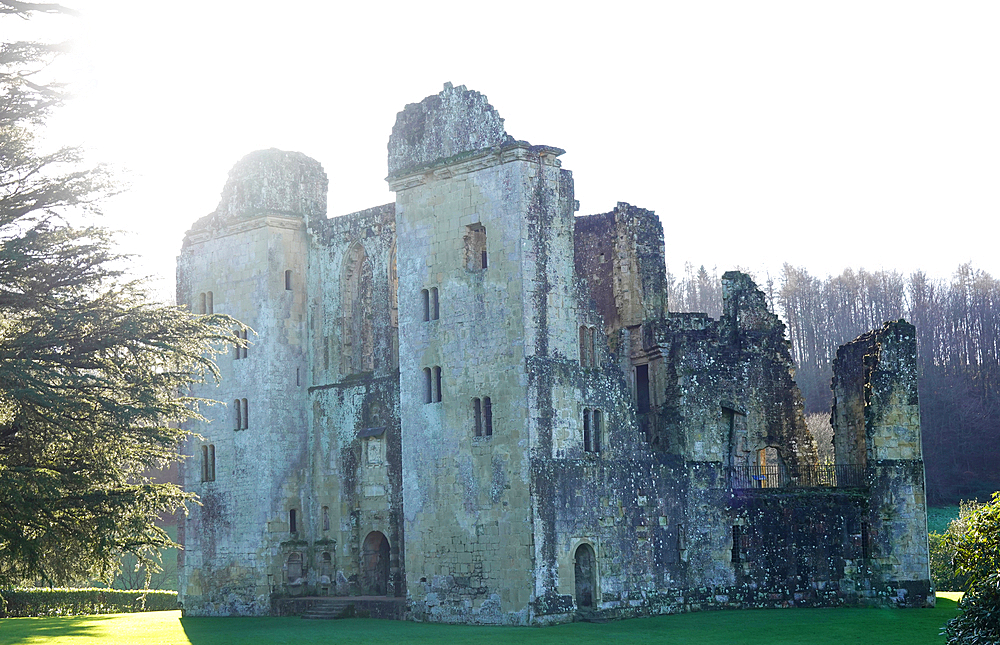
{"x":435,"y":308}
{"x":477,"y":416}
{"x":428,"y":386}
{"x":326,"y":522}
{"x":288,"y":280}
{"x":425,"y":295}
{"x":642,"y":388}
{"x":437,"y":384}
{"x":208,"y":463}
{"x":292,"y":526}
{"x":737,"y":546}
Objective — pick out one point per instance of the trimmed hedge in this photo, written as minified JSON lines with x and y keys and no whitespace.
{"x":79,"y":602}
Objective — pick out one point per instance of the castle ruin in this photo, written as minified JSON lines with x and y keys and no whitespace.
{"x":471,"y":405}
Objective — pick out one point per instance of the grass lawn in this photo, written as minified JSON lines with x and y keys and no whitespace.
{"x":752,"y":627}
{"x":938,"y":517}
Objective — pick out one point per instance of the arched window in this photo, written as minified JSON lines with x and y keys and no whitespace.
{"x":428,"y":386}
{"x":293,"y":526}
{"x":487,"y":416}
{"x":288,"y":280}
{"x":238,"y":412}
{"x":596,"y":430}
{"x":357,"y":340}
{"x":477,"y":416}
{"x":437,"y":384}
{"x":246,"y":415}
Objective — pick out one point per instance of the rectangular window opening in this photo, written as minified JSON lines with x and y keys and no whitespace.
{"x":288,"y":280}
{"x":435,"y":309}
{"x":292,"y":525}
{"x":642,"y":388}
{"x":428,"y":387}
{"x":209,"y":303}
{"x":596,"y":431}
{"x":477,"y":415}
{"x":425,"y":295}
{"x":437,"y":385}
{"x":586,"y":429}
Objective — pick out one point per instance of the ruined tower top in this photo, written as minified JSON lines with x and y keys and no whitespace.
{"x":271,"y":182}
{"x":443,"y":126}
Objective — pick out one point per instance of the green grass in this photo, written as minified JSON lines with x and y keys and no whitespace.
{"x":939,"y":517}
{"x":750,"y":627}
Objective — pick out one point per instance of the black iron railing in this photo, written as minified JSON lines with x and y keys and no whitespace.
{"x":777,"y":476}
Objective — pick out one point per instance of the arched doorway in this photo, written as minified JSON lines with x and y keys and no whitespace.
{"x":585,"y":574}
{"x":375,"y":565}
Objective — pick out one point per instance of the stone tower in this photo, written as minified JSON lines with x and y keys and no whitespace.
{"x":248,"y":259}
{"x":484,"y":226}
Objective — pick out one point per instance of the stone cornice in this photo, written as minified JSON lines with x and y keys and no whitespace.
{"x":471,"y":162}
{"x":291,"y":223}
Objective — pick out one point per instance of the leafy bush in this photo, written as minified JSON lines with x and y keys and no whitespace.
{"x":977,"y":557}
{"x":944,"y":548}
{"x":77,"y":602}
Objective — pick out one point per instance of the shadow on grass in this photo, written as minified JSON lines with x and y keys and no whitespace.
{"x":48,"y":630}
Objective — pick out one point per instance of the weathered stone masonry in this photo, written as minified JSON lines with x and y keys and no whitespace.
{"x":476,"y":402}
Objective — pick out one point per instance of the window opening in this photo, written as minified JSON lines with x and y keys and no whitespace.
{"x":238,"y":407}
{"x":202,"y":304}
{"x":737,"y":539}
{"x":476,"y":257}
{"x":246,"y":415}
{"x":208,"y":463}
{"x":292,"y":526}
{"x":437,"y":384}
{"x":288,"y":280}
{"x":435,"y":309}
{"x":642,"y":388}
{"x":428,"y":388}
{"x":595,"y":431}
{"x":326,"y":522}
{"x":586,"y":429}
{"x":477,"y":414}
{"x":293,"y":567}
{"x":426,"y":296}
{"x":297,"y":379}
{"x":487,"y":416}
{"x":209,"y":304}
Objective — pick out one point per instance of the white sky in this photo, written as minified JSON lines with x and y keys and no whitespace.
{"x":828,"y":135}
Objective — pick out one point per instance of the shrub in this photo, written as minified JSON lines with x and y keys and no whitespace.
{"x":977,"y":556}
{"x":76,"y":602}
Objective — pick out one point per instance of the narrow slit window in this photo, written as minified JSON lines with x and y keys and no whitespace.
{"x":326,"y":520}
{"x":202,"y":303}
{"x":477,"y":415}
{"x":238,"y":407}
{"x":592,"y":346}
{"x":586,"y":429}
{"x":437,"y":384}
{"x":209,"y":303}
{"x":211,"y":462}
{"x":298,"y":381}
{"x":426,"y":295}
{"x":737,"y":538}
{"x":487,"y":416}
{"x":435,"y":309}
{"x":583,"y":347}
{"x":246,"y":415}
{"x":288,"y":280}
{"x":292,"y":524}
{"x":428,"y":388}
{"x":596,"y":431}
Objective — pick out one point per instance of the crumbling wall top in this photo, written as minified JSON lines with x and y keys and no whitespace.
{"x":444,"y":125}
